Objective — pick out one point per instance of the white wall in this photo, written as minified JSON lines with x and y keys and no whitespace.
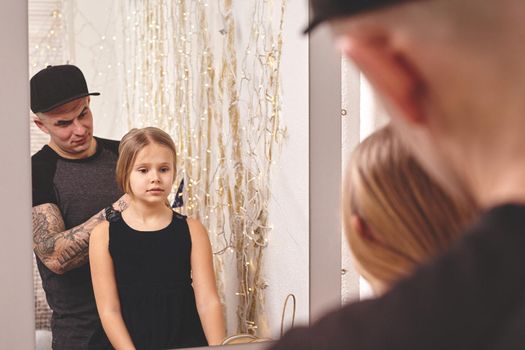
{"x":287,"y":256}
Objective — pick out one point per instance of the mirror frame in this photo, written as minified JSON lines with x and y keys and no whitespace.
{"x":17,"y":321}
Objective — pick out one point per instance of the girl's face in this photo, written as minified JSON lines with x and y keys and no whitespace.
{"x":152,"y":174}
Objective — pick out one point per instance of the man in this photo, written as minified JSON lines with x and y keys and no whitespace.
{"x":451,"y":73}
{"x":73,"y":180}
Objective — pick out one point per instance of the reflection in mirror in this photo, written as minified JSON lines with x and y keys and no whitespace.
{"x":229,"y":83}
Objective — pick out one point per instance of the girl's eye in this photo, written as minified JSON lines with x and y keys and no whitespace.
{"x":164,"y":170}
{"x":142,"y":170}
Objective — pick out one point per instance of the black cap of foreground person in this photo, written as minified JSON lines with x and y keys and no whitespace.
{"x":329,"y":9}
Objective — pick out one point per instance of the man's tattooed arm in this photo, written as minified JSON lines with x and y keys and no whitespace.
{"x":59,"y":249}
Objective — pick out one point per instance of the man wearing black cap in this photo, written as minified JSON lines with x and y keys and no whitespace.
{"x":451,"y":74}
{"x":73,"y":180}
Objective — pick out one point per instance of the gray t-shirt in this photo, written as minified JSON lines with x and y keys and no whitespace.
{"x":80,"y":188}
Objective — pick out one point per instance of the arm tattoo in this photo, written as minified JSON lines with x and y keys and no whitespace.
{"x":46,"y":223}
{"x":74,"y":253}
{"x":64,"y":250}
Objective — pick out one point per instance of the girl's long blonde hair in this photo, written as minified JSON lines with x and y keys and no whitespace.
{"x":411,"y":219}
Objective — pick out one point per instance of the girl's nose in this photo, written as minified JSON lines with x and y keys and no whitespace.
{"x":154,"y":177}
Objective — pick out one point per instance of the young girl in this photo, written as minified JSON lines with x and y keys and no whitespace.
{"x":151,"y":267}
{"x":395,"y":216}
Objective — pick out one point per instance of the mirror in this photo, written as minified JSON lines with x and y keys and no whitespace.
{"x":229,"y":82}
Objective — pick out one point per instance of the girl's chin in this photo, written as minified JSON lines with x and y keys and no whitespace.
{"x":151,"y":199}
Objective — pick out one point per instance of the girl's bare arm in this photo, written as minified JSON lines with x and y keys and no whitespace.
{"x":204,"y":284}
{"x":105,"y":288}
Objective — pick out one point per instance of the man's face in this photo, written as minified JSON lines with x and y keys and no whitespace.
{"x":70,"y":129}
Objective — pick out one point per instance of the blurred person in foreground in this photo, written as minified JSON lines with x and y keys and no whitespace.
{"x":451,"y":74}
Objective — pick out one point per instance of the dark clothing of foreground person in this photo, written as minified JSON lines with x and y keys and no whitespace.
{"x":471,"y":298}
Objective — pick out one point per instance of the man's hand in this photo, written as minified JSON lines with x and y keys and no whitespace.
{"x":122,"y":203}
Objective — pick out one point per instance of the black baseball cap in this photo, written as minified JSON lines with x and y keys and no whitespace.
{"x":329,"y":9}
{"x":56,"y":85}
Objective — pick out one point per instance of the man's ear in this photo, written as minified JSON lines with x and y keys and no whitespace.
{"x":390,"y":72}
{"x":361,"y":228}
{"x":40,"y":125}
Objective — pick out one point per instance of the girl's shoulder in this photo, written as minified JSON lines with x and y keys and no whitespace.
{"x":179,"y":216}
{"x":100,"y":233}
{"x":196,"y":228}
{"x":100,"y":229}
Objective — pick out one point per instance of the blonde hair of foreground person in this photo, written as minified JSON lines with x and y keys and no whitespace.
{"x":395,"y":216}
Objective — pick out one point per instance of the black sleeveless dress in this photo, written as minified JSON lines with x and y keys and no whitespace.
{"x":153,"y":275}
